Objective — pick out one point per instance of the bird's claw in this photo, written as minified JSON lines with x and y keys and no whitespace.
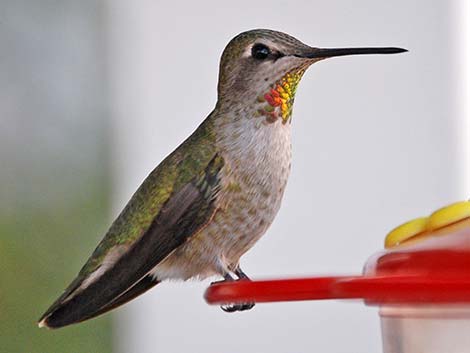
{"x":231,"y":308}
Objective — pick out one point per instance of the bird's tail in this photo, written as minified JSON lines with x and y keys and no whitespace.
{"x":67,"y":312}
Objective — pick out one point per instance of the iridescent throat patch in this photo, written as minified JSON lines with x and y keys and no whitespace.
{"x":280,"y":99}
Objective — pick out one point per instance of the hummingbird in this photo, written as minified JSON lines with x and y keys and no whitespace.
{"x":211,"y":199}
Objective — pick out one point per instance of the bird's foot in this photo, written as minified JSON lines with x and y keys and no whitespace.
{"x":241,"y":276}
{"x":231,"y":308}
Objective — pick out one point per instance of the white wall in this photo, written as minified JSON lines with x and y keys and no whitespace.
{"x":463,"y":94}
{"x":377,"y":140}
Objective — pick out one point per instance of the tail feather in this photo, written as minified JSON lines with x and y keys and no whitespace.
{"x":66,"y":313}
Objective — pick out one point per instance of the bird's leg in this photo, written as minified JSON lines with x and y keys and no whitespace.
{"x":227,"y":278}
{"x":241,"y":306}
{"x":240,"y":274}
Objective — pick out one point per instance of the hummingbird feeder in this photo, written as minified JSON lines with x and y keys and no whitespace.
{"x":420,"y":282}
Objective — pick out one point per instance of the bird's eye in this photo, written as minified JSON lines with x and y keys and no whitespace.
{"x":260,"y":51}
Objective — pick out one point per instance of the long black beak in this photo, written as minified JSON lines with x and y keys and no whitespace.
{"x":322,"y":53}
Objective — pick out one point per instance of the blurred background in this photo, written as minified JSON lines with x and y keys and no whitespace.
{"x":94,"y":94}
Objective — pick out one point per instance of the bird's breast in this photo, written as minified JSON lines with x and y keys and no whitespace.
{"x":257,"y":159}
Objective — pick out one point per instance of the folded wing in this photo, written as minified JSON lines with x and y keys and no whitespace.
{"x":115,"y":279}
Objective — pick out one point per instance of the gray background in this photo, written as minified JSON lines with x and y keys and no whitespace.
{"x":53,"y":165}
{"x":377,"y":140}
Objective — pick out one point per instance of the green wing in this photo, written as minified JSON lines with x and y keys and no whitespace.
{"x":173,"y":203}
{"x":187,"y":162}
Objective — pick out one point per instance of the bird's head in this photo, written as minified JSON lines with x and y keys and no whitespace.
{"x":265,"y":67}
